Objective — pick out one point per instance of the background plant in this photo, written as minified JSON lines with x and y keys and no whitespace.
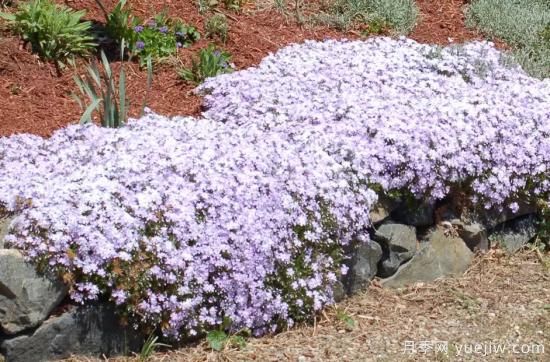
{"x":210,"y":62}
{"x":398,"y":15}
{"x":217,"y":26}
{"x":55,"y":32}
{"x":120,"y":24}
{"x":521,"y":24}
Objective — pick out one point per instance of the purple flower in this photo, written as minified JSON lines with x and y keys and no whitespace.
{"x":138,"y":28}
{"x":229,"y":204}
{"x":179,"y":44}
{"x":164,"y":29}
{"x":140,"y":45}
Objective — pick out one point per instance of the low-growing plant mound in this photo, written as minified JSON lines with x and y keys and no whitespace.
{"x":185,"y":224}
{"x":401,"y":114}
{"x":242,"y":218}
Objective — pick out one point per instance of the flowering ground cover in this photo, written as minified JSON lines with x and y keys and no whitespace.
{"x":240,"y":219}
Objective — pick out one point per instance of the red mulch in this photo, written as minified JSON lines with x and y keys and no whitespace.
{"x":34,"y":99}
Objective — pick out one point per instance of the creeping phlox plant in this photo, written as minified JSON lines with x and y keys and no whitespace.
{"x":185,"y":224}
{"x":403,"y":115}
{"x":243,"y":216}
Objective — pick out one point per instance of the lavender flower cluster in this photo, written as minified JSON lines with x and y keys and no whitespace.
{"x":185,"y":223}
{"x":243,"y":215}
{"x":401,"y":114}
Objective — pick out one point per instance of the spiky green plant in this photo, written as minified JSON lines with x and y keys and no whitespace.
{"x":104,"y":96}
{"x":150,"y":346}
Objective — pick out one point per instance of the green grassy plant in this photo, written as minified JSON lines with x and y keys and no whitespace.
{"x":211,"y":62}
{"x":216,"y":26}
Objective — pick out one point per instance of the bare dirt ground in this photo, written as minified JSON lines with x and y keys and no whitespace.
{"x":501,"y":304}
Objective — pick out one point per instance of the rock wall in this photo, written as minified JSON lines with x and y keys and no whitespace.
{"x":409,"y":243}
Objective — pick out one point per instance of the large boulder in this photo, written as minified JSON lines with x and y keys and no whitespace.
{"x":90,"y":330}
{"x":26,"y":298}
{"x":398,"y":244}
{"x":444,"y":254}
{"x":515,"y":234}
{"x":362,"y":266}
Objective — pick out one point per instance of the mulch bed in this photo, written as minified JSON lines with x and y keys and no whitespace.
{"x":35,"y":99}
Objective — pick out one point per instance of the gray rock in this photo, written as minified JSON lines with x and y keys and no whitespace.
{"x":493,"y":217}
{"x":473,"y":233}
{"x":92,"y":331}
{"x":515,"y":234}
{"x":417,"y":214}
{"x":338,"y":291}
{"x":398,"y":243}
{"x":443,"y":255}
{"x":26,"y":298}
{"x":382,"y":209}
{"x":363,"y":266}
{"x":4,"y":225}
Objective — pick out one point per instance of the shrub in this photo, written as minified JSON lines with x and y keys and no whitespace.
{"x":216,"y":26}
{"x":520,"y":24}
{"x":55,"y":32}
{"x":241,"y":219}
{"x":211,"y":62}
{"x":161,"y":37}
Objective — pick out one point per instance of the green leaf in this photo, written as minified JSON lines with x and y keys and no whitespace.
{"x":238,"y":341}
{"x":348,"y":321}
{"x":87,"y":116}
{"x":216,"y":340}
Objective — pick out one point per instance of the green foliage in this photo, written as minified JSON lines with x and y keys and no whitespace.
{"x":105,"y":97}
{"x":149,"y":347}
{"x":218,"y":339}
{"x":211,"y":62}
{"x":522,"y":24}
{"x":55,"y":32}
{"x":208,"y":5}
{"x":346,"y":319}
{"x":399,"y":15}
{"x":120,"y":24}
{"x":161,"y":37}
{"x":216,"y":26}
{"x":376,"y":26}
{"x":235,"y":5}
